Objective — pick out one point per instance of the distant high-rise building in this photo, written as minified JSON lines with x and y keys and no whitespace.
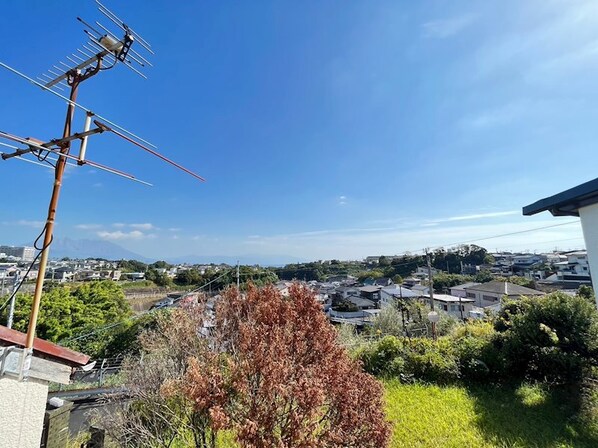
{"x":25,"y":253}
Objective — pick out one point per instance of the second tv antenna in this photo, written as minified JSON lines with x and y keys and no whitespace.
{"x":104,"y":50}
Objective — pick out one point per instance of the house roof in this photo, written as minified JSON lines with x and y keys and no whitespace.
{"x":43,"y":348}
{"x":369,"y":289}
{"x":383,"y":281}
{"x":505,"y":288}
{"x":399,"y":292}
{"x":361,"y":302}
{"x":464,"y":286}
{"x":446,"y":298}
{"x":568,"y":202}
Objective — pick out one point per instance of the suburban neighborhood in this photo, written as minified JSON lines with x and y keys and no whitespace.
{"x":299,"y":224}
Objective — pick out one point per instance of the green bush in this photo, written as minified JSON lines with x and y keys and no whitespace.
{"x":420,"y":358}
{"x":432,"y":361}
{"x":552,"y":338}
{"x":379,"y":358}
{"x":476,"y":350}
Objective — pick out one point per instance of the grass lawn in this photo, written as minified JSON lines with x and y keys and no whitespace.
{"x":455,"y":416}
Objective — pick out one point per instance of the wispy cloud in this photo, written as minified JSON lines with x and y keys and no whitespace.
{"x":481,"y":216}
{"x":443,"y":28}
{"x":120,"y":235}
{"x":562,"y":30}
{"x":88,"y":226}
{"x":356,"y":243}
{"x":138,"y":226}
{"x":142,"y":226}
{"x":342,"y":200}
{"x":498,"y":116}
{"x":24,"y":223}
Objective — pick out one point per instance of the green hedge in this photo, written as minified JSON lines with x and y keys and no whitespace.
{"x":552,"y":339}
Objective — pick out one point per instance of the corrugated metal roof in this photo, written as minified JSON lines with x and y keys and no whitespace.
{"x":42,"y":347}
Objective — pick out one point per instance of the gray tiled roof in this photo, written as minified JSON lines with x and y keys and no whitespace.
{"x":505,"y":288}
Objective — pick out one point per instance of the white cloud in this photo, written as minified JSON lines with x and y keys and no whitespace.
{"x":142,"y":226}
{"x":174,"y":229}
{"x":443,"y":28}
{"x":88,"y":226}
{"x":342,"y":200}
{"x":120,"y":235}
{"x":481,"y":216}
{"x":138,"y":226}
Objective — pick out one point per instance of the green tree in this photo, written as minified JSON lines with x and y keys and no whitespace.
{"x":67,"y":313}
{"x":383,"y":261}
{"x":160,"y":265}
{"x":587,"y":293}
{"x":132,"y":266}
{"x":443,"y":282}
{"x":484,"y":276}
{"x":188,"y":277}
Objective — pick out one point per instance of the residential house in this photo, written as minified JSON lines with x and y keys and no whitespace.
{"x":370,"y":292}
{"x":391,"y":294}
{"x":362,"y":303}
{"x":343,"y":292}
{"x":491,"y":293}
{"x":421,"y":290}
{"x":459,"y":290}
{"x":458,"y":307}
{"x":575,"y":271}
{"x":422,"y":271}
{"x":410,"y":282}
{"x":383,"y":281}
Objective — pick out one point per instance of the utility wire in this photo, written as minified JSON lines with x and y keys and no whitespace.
{"x":108,"y":326}
{"x":40,"y":251}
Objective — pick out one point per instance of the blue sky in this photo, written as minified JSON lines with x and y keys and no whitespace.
{"x":324,"y":129}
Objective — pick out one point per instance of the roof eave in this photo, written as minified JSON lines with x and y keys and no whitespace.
{"x":568,"y":202}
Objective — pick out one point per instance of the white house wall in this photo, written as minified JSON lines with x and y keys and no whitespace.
{"x":589,"y":224}
{"x":22,"y":407}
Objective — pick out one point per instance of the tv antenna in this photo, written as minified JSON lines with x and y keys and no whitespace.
{"x":104,"y":50}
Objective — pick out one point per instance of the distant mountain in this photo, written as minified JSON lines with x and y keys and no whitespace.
{"x":250,"y":259}
{"x":67,"y":247}
{"x":87,"y":248}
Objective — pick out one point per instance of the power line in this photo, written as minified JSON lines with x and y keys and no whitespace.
{"x":108,"y":326}
{"x":513,"y":233}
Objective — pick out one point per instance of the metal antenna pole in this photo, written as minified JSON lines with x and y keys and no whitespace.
{"x":238,"y":281}
{"x":11,"y":308}
{"x":49,"y":229}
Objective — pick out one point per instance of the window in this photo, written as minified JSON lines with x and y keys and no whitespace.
{"x":490,"y":298}
{"x":471,"y":295}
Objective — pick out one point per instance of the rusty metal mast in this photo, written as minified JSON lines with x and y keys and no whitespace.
{"x":74,"y":79}
{"x":114,"y":50}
